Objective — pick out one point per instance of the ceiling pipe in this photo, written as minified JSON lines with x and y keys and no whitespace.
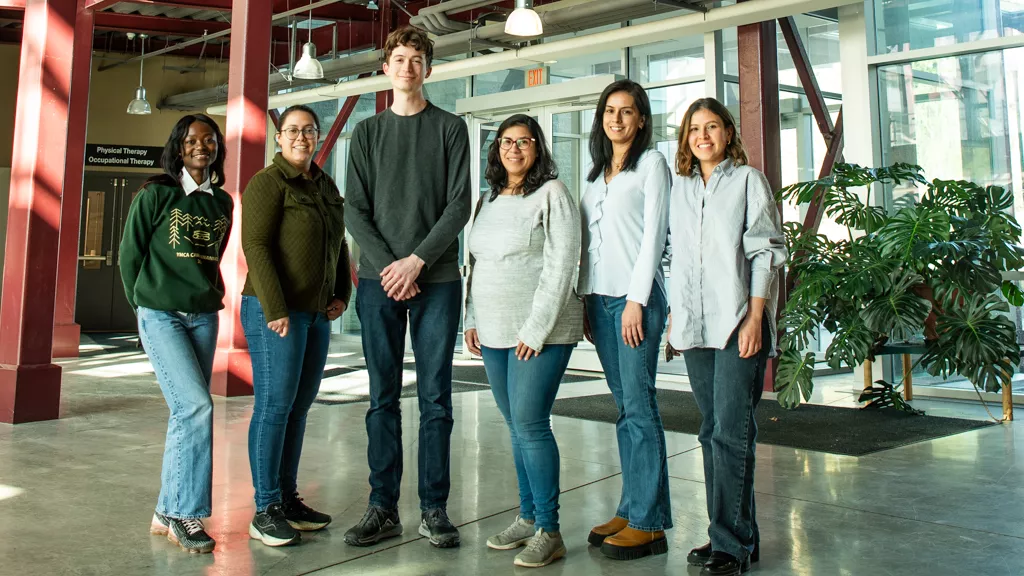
{"x":207,"y":37}
{"x":559,"y":17}
{"x":692,"y":23}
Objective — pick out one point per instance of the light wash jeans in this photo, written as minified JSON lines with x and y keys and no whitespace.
{"x":525,"y":393}
{"x":181,"y":348}
{"x":286,"y":375}
{"x":631,"y":375}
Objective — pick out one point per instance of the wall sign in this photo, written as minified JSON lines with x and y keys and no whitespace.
{"x":535,"y":77}
{"x":126,"y":156}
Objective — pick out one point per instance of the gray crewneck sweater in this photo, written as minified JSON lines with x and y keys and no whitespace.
{"x":524,"y":253}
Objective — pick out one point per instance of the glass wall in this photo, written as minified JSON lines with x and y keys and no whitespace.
{"x":957,"y":116}
{"x":903,"y":25}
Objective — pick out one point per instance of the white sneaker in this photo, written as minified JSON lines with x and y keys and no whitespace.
{"x":543,"y":549}
{"x":516,"y":535}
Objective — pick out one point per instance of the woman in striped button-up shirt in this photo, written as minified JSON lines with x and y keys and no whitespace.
{"x":728,"y":249}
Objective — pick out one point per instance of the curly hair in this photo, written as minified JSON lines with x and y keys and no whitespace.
{"x":542,"y":171}
{"x":685,"y":160}
{"x":412,"y":37}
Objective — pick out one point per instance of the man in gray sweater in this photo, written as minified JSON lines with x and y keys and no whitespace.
{"x":407,"y":199}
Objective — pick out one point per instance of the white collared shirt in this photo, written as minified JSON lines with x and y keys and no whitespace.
{"x":190,"y":185}
{"x":624,"y":227}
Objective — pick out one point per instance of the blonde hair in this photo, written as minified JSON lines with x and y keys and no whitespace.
{"x":685,"y":160}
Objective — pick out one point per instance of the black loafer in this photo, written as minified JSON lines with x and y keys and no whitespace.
{"x":700,"y":555}
{"x":722,"y":564}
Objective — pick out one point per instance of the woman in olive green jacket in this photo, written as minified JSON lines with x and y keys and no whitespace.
{"x":293,"y":236}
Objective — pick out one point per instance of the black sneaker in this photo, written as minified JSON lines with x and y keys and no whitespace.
{"x":377,"y":524}
{"x":302,"y":517}
{"x":272,"y":528}
{"x":436,"y":526}
{"x":190,"y":535}
{"x":159,"y":525}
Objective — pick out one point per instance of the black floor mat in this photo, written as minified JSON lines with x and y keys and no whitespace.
{"x":848,"y":431}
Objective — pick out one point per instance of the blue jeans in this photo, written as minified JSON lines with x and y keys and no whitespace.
{"x":727,"y":389}
{"x":286,"y":374}
{"x":631,"y":374}
{"x":525,"y":393}
{"x":181,"y":348}
{"x":433,"y":319}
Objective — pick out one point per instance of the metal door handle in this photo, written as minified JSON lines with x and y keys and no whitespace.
{"x":91,"y":258}
{"x":113,"y":231}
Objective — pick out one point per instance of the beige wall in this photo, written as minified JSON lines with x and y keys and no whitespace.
{"x":109,"y":96}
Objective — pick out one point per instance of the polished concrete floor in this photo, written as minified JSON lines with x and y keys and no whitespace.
{"x":76,"y":495}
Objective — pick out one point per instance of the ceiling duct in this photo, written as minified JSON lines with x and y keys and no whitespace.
{"x":566,"y":16}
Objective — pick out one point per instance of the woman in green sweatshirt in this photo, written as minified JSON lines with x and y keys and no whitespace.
{"x":293,"y":236}
{"x":173,"y":241}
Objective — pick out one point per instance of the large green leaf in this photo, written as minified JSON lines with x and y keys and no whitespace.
{"x":976,"y":340}
{"x":794,"y":377}
{"x":848,"y":210}
{"x":851,"y":344}
{"x":799,"y":324}
{"x":1013,"y":294}
{"x":866,"y":271}
{"x":910,"y":227}
{"x":948,"y":195}
{"x":899,"y":310}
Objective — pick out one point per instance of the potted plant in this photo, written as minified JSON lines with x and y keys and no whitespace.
{"x":932,"y":266}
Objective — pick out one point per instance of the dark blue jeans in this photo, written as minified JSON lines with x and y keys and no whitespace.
{"x":631,"y":374}
{"x":286,"y":374}
{"x":525,"y":393}
{"x":433,"y":320}
{"x":727,"y":389}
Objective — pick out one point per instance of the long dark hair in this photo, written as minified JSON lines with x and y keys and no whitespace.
{"x":543,"y":169}
{"x":171,"y":160}
{"x":601,"y":146}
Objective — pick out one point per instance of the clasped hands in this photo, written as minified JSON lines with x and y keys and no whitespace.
{"x":399,"y":278}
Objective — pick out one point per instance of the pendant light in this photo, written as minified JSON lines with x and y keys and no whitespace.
{"x":140,"y":105}
{"x":372,"y":5}
{"x":308,"y":67}
{"x":524,"y":21}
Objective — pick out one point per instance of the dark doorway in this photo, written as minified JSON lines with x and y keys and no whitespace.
{"x":101,"y":304}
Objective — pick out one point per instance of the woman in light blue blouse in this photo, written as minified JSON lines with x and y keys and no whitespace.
{"x":727,"y":251}
{"x":624,"y":214}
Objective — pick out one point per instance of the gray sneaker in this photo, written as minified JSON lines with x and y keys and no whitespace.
{"x":516,"y":535}
{"x":543,"y":549}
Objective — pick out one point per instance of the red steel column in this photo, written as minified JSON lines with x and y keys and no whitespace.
{"x":246,"y":135}
{"x":29,"y":381}
{"x":759,"y":118}
{"x":66,"y":333}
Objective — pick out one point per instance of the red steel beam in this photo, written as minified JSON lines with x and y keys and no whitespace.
{"x":246,"y":136}
{"x":339,"y":125}
{"x":97,"y":5}
{"x":759,"y":118}
{"x":66,"y":332}
{"x":805,"y":71}
{"x":275,"y":118}
{"x":834,"y":154}
{"x":29,"y":381}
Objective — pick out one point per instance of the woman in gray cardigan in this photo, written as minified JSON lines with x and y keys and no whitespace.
{"x":524,"y":319}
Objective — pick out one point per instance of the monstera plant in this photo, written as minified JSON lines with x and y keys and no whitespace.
{"x":929,"y":267}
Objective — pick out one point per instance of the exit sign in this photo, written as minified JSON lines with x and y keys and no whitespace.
{"x":535,"y":77}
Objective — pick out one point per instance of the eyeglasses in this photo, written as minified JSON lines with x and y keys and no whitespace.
{"x":521,"y":143}
{"x":292,"y":133}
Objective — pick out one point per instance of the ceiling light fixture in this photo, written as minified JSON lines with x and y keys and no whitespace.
{"x":308,"y":67}
{"x":524,"y":20}
{"x":371,"y":5}
{"x":140,"y":105}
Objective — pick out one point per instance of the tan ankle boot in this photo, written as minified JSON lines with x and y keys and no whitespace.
{"x":599,"y":533}
{"x":630,"y":544}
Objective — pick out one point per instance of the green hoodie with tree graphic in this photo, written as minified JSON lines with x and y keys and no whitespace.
{"x":172,"y":246}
